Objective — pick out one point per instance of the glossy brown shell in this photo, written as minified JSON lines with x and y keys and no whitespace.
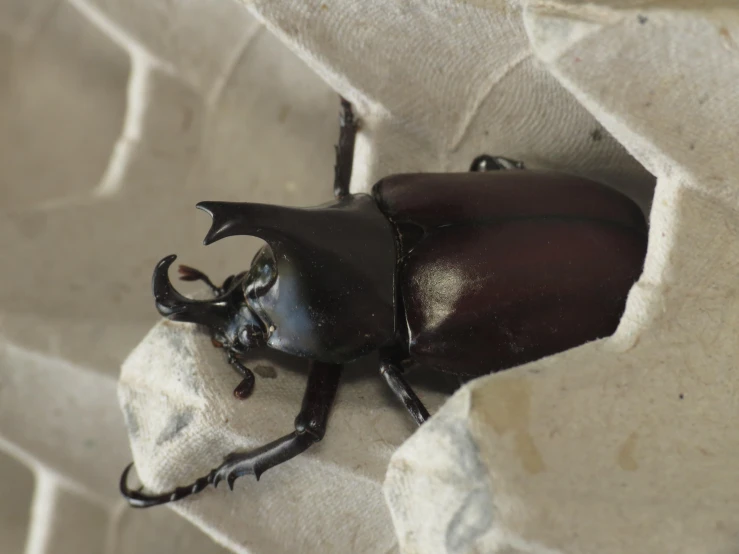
{"x":498,"y":269}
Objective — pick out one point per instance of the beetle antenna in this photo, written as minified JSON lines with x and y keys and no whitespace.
{"x":137,"y":499}
{"x":188,"y":273}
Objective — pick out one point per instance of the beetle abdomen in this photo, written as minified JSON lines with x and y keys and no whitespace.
{"x":484,"y":297}
{"x":501,"y":268}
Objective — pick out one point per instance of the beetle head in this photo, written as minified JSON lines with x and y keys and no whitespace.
{"x":321,"y":288}
{"x":232,"y":324}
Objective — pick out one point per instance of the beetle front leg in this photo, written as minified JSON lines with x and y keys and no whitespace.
{"x":348,"y":126}
{"x":494,"y":163}
{"x":394,"y":378}
{"x":310,"y":426}
{"x":246,"y":386}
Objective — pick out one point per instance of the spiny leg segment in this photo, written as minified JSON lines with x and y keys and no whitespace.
{"x":310,"y":427}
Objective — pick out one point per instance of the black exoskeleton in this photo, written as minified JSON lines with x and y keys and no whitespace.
{"x":466,"y":273}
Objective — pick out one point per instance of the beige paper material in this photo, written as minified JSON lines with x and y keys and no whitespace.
{"x":118,"y":116}
{"x":435,"y":86}
{"x":628,"y":444}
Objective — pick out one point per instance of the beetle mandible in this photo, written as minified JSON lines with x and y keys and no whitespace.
{"x":466,"y":273}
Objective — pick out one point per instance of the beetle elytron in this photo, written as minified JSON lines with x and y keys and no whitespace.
{"x":467,"y":273}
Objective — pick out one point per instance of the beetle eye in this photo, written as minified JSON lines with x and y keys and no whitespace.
{"x":262,"y":274}
{"x":251,"y":336}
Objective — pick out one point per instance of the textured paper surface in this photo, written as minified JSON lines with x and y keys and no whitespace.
{"x":176,"y":390}
{"x":435,"y":85}
{"x":115,"y":119}
{"x":626,"y":444}
{"x":111,"y":110}
{"x":438,"y":84}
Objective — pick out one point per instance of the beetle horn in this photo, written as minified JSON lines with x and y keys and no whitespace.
{"x":309,"y":238}
{"x":175,"y":306}
{"x":245,"y":218}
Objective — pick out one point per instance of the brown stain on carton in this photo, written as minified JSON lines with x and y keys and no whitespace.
{"x":507,"y":409}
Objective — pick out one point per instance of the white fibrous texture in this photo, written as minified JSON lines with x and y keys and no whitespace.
{"x":116,"y":117}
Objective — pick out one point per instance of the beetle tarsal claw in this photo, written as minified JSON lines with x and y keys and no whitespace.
{"x":235,"y":465}
{"x":138,"y":499}
{"x":221,"y":477}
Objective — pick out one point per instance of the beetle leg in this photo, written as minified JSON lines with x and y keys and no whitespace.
{"x":243,"y":389}
{"x":394,"y":378}
{"x":348,"y":126}
{"x":310,"y":426}
{"x":494,"y":163}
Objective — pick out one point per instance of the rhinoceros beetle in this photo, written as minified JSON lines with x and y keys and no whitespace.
{"x":465,"y":273}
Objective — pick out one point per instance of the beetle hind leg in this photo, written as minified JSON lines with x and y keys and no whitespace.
{"x":310,"y":426}
{"x":394,"y":378}
{"x":486,"y":162}
{"x":348,"y":126}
